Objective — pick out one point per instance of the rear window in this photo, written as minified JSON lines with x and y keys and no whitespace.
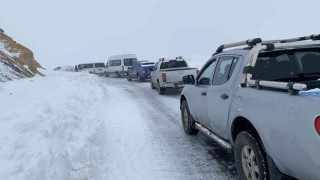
{"x":173,"y":64}
{"x":98,"y":65}
{"x":129,"y":62}
{"x":288,"y":65}
{"x":147,"y":64}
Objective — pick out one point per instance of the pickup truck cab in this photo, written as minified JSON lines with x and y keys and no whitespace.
{"x":254,"y":102}
{"x":168,"y":74}
{"x":140,"y":70}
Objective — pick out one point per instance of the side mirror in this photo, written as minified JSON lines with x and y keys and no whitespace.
{"x":189,"y":79}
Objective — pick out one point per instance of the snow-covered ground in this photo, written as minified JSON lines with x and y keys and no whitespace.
{"x":80,"y":126}
{"x":52,"y":127}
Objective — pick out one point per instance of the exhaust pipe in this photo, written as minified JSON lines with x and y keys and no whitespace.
{"x":216,"y":138}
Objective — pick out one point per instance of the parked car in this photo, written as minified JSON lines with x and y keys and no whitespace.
{"x":94,"y":68}
{"x":118,"y":65}
{"x":140,"y":70}
{"x":64,"y":68}
{"x":168,"y":74}
{"x":248,"y":100}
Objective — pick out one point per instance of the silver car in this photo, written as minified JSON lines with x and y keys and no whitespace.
{"x":254,"y":101}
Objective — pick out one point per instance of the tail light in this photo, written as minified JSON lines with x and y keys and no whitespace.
{"x":317,"y":124}
{"x":197,"y":71}
{"x":164,"y":76}
{"x":143,"y":70}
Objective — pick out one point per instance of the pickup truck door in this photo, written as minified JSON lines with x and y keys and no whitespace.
{"x":198,"y":101}
{"x":220,"y":93}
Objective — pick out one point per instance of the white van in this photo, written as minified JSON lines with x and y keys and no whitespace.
{"x":94,"y":68}
{"x":118,"y":65}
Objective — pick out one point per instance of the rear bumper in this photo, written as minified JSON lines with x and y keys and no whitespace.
{"x":178,"y":85}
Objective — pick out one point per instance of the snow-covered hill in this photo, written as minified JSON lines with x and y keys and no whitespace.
{"x":16,"y":61}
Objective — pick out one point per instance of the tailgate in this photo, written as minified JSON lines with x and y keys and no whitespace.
{"x":176,"y":75}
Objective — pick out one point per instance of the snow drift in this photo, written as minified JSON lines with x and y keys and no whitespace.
{"x":52,"y":128}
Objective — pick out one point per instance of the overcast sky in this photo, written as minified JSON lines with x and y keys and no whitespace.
{"x":67,"y":32}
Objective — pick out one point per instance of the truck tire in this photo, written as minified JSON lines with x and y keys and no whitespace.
{"x":106,"y":74}
{"x":250,"y":158}
{"x":187,"y":120}
{"x":139,"y":78}
{"x":152,"y":86}
{"x":160,"y":89}
{"x":129,"y":78}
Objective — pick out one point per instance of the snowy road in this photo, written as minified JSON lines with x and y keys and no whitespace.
{"x":145,"y":139}
{"x":82,"y":127}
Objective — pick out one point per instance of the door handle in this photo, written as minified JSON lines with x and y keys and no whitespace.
{"x":203,"y":93}
{"x":224,"y":96}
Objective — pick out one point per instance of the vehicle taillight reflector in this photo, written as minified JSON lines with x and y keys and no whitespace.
{"x":197,"y":71}
{"x":317,"y":124}
{"x":164,"y":76}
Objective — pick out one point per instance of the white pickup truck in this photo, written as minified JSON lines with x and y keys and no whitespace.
{"x":169,"y":73}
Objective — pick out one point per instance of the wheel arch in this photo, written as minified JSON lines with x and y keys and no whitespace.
{"x":240,"y":124}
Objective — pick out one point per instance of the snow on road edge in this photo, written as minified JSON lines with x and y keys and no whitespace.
{"x":53,"y":127}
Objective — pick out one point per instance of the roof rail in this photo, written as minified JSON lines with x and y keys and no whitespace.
{"x":249,"y":42}
{"x":253,"y":42}
{"x":303,"y":38}
{"x":161,"y":59}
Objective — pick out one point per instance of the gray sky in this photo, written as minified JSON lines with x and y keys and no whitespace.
{"x":67,"y":32}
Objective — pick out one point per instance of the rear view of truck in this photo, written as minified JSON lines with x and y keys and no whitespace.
{"x":168,"y":74}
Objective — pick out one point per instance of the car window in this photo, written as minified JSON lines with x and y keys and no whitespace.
{"x":224,"y":70}
{"x":99,"y":65}
{"x":129,"y":62}
{"x":173,"y":64}
{"x":115,"y":63}
{"x":206,"y":74}
{"x":288,"y":65}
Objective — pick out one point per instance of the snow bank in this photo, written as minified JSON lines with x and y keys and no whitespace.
{"x":52,"y":127}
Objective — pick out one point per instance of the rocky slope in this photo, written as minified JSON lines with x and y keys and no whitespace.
{"x":16,"y":61}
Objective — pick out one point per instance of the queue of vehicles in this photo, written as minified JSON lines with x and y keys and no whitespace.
{"x":251,"y":100}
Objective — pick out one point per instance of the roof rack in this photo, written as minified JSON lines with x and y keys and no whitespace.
{"x":249,"y":42}
{"x":303,"y":38}
{"x":253,"y":42}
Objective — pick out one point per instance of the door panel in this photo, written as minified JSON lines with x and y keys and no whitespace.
{"x":221,"y":92}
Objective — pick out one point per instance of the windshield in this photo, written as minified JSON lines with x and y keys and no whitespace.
{"x":97,"y":65}
{"x":288,"y":65}
{"x":129,"y":62}
{"x":173,"y":64}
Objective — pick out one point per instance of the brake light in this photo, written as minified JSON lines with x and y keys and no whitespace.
{"x":197,"y":71}
{"x":164,"y":76}
{"x":317,"y":124}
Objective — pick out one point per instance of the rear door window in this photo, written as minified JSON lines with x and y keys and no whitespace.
{"x":99,"y":65}
{"x":288,"y":65}
{"x":173,"y":64}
